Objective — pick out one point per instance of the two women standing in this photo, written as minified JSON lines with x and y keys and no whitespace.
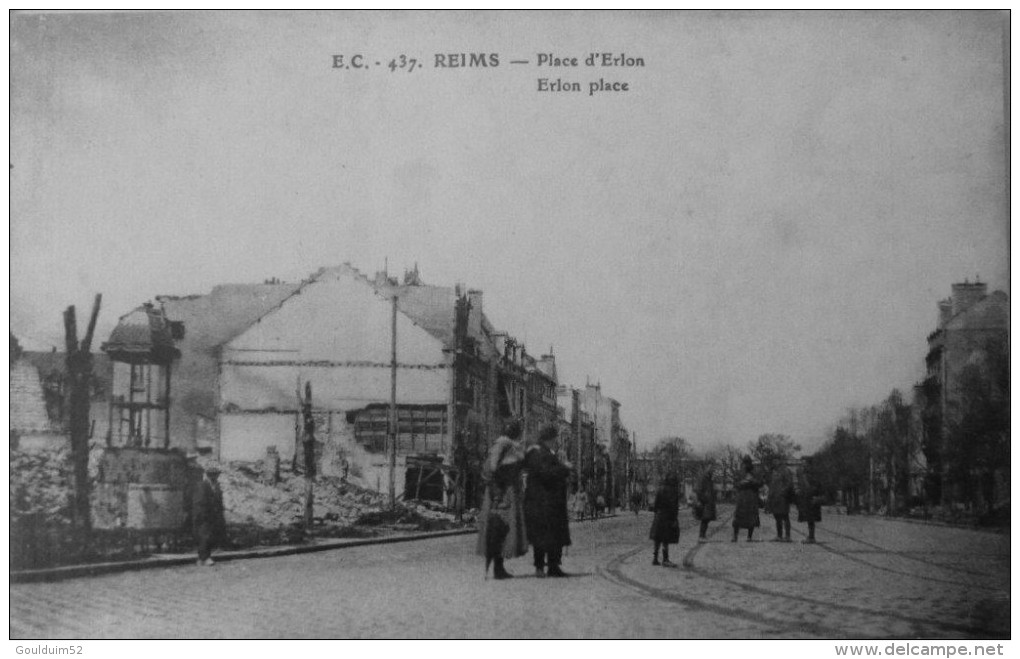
{"x":509,"y":521}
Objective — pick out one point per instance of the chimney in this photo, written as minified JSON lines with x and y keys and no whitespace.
{"x":475,"y":298}
{"x":967,"y":294}
{"x":547,"y":365}
{"x":945,"y":311}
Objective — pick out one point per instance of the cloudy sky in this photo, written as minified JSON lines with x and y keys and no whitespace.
{"x":750,"y":239}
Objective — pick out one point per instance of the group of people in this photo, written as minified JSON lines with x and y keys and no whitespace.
{"x":525,"y":502}
{"x":782,"y":493}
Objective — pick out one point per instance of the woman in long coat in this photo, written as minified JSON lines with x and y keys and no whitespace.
{"x":501,"y":522}
{"x":809,"y":499}
{"x":545,"y":503}
{"x":781,"y":495}
{"x":746,"y":514}
{"x":666,"y":525}
{"x":704,"y":508}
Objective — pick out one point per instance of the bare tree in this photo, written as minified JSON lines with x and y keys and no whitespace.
{"x":772,"y":450}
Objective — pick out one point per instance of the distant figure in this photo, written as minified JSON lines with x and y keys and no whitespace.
{"x":809,"y":499}
{"x":501,"y":522}
{"x":545,"y":504}
{"x":580,"y":504}
{"x":666,"y":525}
{"x":781,"y":495}
{"x":600,"y":506}
{"x":635,"y":502}
{"x":704,"y":507}
{"x":746,"y":514}
{"x":207,"y":515}
{"x":346,"y":466}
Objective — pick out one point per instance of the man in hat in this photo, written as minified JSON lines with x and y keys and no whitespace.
{"x":207,"y":515}
{"x":746,"y":514}
{"x":545,"y":503}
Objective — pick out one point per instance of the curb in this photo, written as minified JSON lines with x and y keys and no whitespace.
{"x":927,"y":522}
{"x":97,"y":569}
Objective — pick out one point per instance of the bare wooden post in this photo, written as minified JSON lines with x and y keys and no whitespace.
{"x":309,"y":446}
{"x":79,"y":370}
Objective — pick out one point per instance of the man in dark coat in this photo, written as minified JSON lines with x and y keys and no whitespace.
{"x":545,"y":503}
{"x":207,"y":515}
{"x":746,"y":514}
{"x":809,"y":499}
{"x":781,"y":495}
{"x":665,"y":529}
{"x":704,"y":507}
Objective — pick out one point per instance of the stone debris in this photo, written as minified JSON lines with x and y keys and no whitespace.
{"x":249,"y":500}
{"x":41,"y":486}
{"x":41,"y":489}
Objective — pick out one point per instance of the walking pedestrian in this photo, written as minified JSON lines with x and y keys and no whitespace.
{"x":545,"y":503}
{"x":665,"y":529}
{"x":207,"y":515}
{"x":746,"y":514}
{"x":704,"y":507}
{"x":781,"y":495}
{"x":809,"y":498}
{"x":501,"y":522}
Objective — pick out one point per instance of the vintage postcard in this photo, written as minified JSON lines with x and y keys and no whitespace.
{"x":507,"y":325}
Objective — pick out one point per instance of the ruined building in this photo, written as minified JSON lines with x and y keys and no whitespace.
{"x":246,"y":351}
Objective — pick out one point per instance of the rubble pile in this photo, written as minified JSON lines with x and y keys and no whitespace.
{"x":41,"y":487}
{"x":248,"y":499}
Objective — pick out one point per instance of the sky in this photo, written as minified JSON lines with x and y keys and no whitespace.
{"x":752,"y":238}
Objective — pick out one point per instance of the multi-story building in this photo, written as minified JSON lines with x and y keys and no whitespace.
{"x":971,"y":340}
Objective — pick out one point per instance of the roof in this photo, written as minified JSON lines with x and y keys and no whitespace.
{"x":212,"y":320}
{"x":142,"y":335}
{"x":49,"y":363}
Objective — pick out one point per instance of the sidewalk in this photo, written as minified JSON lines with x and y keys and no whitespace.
{"x":173,"y":560}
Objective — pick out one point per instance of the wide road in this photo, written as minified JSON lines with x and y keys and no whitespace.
{"x":867,"y":578}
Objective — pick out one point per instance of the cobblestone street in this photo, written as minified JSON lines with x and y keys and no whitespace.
{"x":867,"y":578}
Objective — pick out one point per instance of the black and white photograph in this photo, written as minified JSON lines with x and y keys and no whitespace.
{"x":484,"y":325}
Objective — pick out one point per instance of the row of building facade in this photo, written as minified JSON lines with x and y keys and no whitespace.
{"x":965,"y":459}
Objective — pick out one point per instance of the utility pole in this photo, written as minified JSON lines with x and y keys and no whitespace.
{"x":393,"y":406}
{"x":576,"y":400}
{"x":79,"y":371}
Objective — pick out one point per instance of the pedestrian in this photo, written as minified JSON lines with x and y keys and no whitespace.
{"x":600,"y":506}
{"x":746,"y":514}
{"x":809,"y":498}
{"x":545,"y":503}
{"x":635,"y":501}
{"x":704,"y":507}
{"x":207,"y":515}
{"x":665,"y":529}
{"x":581,"y":504}
{"x":781,"y":495}
{"x":501,"y":521}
